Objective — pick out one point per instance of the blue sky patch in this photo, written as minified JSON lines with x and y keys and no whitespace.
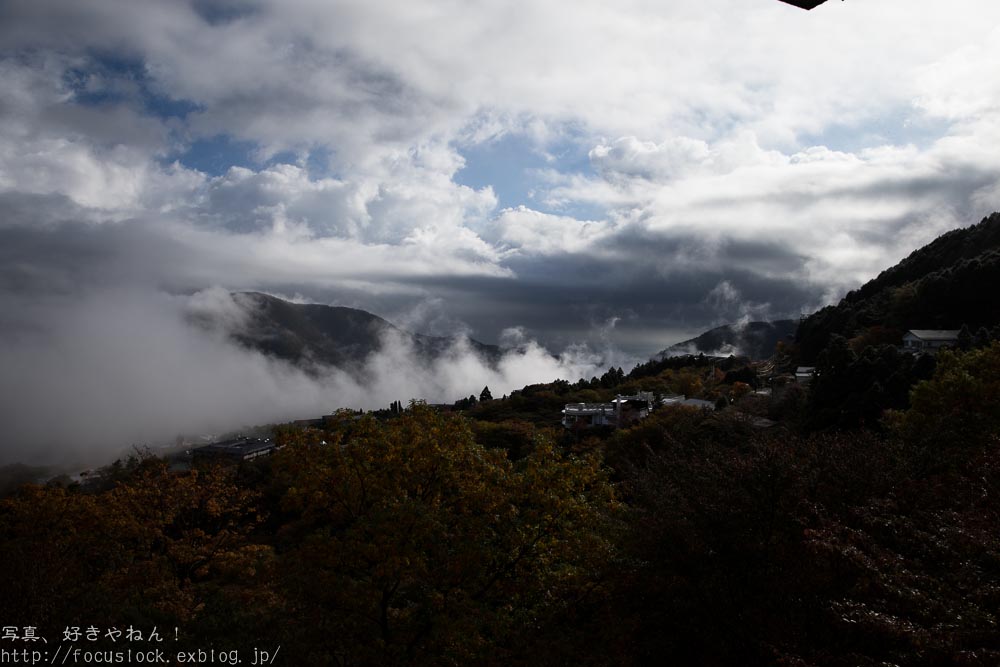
{"x":115,"y":79}
{"x":511,"y":165}
{"x":215,"y":155}
{"x":901,"y":128}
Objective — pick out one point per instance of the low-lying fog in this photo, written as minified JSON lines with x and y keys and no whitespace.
{"x":86,"y":376}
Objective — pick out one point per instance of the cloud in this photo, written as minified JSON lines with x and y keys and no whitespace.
{"x":318,"y":148}
{"x":628,"y":157}
{"x":148,"y":374}
{"x":727,"y":301}
{"x":525,"y":231}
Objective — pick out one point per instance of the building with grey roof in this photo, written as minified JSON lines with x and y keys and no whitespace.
{"x":235,"y":450}
{"x":621,"y":411}
{"x":929,"y":340}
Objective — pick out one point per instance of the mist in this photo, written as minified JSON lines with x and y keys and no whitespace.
{"x":87,"y":375}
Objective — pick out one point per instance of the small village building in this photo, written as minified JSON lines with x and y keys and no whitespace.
{"x":678,"y":399}
{"x":699,"y":403}
{"x":586,"y":415}
{"x":929,"y":340}
{"x":235,"y":450}
{"x":804,"y":374}
{"x":633,"y":408}
{"x":621,"y":411}
{"x":320,"y":422}
{"x":672,"y":399}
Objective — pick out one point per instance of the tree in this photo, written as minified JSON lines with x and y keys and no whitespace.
{"x":159,"y":547}
{"x":982,"y":337}
{"x":689,"y":383}
{"x":414,"y":544}
{"x":485,"y":394}
{"x":739,"y":390}
{"x":965,"y":338}
{"x":959,"y":406}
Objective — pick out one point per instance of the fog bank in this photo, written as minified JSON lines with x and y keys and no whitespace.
{"x":89,"y":374}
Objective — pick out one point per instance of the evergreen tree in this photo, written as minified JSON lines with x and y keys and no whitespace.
{"x":982,"y":338}
{"x":965,"y":338}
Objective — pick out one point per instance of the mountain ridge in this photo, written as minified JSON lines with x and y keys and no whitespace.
{"x":947,"y":284}
{"x":311,"y":335}
{"x":756,"y":340}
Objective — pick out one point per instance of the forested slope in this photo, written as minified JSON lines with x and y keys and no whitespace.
{"x":949,"y":283}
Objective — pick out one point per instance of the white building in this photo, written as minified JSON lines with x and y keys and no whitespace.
{"x":804,"y":374}
{"x":619,"y":412}
{"x":588,"y":414}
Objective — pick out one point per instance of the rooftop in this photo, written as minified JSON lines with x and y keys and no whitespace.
{"x":588,"y":408}
{"x":237,"y":447}
{"x":934,"y":334}
{"x":689,"y":402}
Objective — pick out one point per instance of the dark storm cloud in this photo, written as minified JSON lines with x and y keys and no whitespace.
{"x":570,"y":295}
{"x":560,"y":299}
{"x":956,"y":184}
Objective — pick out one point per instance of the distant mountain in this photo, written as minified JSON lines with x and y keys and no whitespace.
{"x":948,"y":283}
{"x":756,"y":340}
{"x":313,"y":334}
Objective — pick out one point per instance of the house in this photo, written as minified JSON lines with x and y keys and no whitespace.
{"x":325,"y":420}
{"x":237,"y":449}
{"x":621,"y":411}
{"x":585,"y":415}
{"x":678,"y":399}
{"x":929,"y":340}
{"x":804,"y":374}
{"x":698,"y":403}
{"x":672,"y":399}
{"x":633,"y":408}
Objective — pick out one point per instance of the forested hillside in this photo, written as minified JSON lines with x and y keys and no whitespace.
{"x":756,"y":340}
{"x":947,"y":284}
{"x":486,"y":536}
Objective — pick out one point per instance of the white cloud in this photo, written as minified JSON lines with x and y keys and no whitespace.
{"x":730,"y":142}
{"x":149,"y":375}
{"x":730,"y":307}
{"x":530,"y":232}
{"x":98,"y":159}
{"x":962,"y":85}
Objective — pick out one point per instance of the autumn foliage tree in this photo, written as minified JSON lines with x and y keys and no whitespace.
{"x":150,"y":550}
{"x":959,"y":406}
{"x":407,"y":542}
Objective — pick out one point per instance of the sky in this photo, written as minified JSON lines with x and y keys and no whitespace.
{"x":613,"y":177}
